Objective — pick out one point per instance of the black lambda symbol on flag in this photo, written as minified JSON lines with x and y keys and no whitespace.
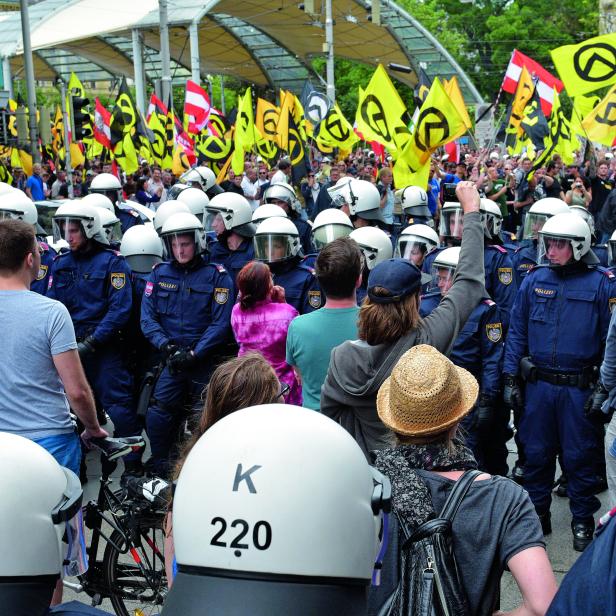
{"x":269,"y":122}
{"x":376,"y":117}
{"x":599,"y":64}
{"x":609,"y":117}
{"x":335,"y":127}
{"x":317,"y":107}
{"x":426,"y":127}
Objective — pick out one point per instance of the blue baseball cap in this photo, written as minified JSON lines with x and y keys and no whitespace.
{"x":399,"y":277}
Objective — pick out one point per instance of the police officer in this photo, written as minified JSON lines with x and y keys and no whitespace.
{"x":376,"y":247}
{"x":416,"y":242}
{"x":600,"y":250}
{"x":267,"y":210}
{"x":201,"y":177}
{"x":359,"y":200}
{"x":414,"y":204}
{"x":525,"y":256}
{"x":328,"y":225}
{"x":14,"y":204}
{"x":229,"y":215}
{"x":277,"y":243}
{"x":111,"y":228}
{"x":479,"y":349}
{"x":109,"y":185}
{"x":493,"y":226}
{"x":165,"y":211}
{"x":548,"y":347}
{"x":196,"y":200}
{"x":93,"y":282}
{"x":283,"y":195}
{"x":185,"y":313}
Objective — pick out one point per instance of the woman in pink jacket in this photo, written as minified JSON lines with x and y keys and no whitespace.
{"x":260,"y":321}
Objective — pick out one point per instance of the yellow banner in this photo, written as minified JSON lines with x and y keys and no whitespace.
{"x":336,"y":131}
{"x":266,"y":119}
{"x":600,"y":124}
{"x":455,"y":94}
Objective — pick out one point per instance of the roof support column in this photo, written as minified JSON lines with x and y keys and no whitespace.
{"x":31,"y":91}
{"x":7,"y":76}
{"x":139,"y":75}
{"x":329,"y":49}
{"x":165,"y":60}
{"x":195,"y":68}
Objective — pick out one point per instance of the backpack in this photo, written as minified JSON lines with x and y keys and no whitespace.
{"x":429,"y":583}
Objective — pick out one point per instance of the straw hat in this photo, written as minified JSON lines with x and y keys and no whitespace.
{"x":426,"y":393}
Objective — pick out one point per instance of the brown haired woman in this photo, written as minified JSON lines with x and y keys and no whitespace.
{"x":237,"y":384}
{"x":260,"y":322}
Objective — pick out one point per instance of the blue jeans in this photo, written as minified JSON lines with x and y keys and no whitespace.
{"x":65,"y":448}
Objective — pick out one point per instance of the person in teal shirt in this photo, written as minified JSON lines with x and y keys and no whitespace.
{"x":311,"y":337}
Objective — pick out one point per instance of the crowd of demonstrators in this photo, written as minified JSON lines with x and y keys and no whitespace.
{"x":332,"y":282}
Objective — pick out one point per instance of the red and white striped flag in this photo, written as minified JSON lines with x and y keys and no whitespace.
{"x":196,"y":107}
{"x":545,"y":84}
{"x":155,"y":105}
{"x":102,"y":120}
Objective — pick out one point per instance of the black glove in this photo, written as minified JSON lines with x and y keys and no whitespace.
{"x":169,"y":349}
{"x":484,"y":413}
{"x":592,"y":408}
{"x":512,"y":393}
{"x":181,"y":360}
{"x":86,"y":347}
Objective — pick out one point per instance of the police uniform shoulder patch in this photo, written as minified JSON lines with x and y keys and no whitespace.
{"x":608,"y":272}
{"x":505,"y":275}
{"x":494,"y":332}
{"x":50,"y":283}
{"x":149,"y":287}
{"x":489,"y":302}
{"x":42,"y":272}
{"x":220,"y":268}
{"x":221,"y":295}
{"x":43,"y":245}
{"x":499,"y":248}
{"x":118,"y":280}
{"x":314,"y":299}
{"x":612,"y":303}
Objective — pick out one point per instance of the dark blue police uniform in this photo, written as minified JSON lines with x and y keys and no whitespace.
{"x":524,"y":258}
{"x":233,"y":260}
{"x":560,"y":320}
{"x":189,"y":307}
{"x":42,"y":278}
{"x":305,"y":234}
{"x":129,"y":217}
{"x":601,"y":253}
{"x":96,"y":289}
{"x":300,"y":284}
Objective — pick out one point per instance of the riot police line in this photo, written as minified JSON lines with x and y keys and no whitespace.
{"x":186,"y":295}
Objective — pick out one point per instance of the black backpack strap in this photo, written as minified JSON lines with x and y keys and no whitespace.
{"x":457,"y":494}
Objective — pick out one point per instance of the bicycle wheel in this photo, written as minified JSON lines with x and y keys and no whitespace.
{"x":136,"y":574}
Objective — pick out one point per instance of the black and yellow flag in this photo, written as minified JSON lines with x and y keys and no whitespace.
{"x":600,"y":123}
{"x":5,"y":176}
{"x":587,"y":66}
{"x":534,"y":122}
{"x":159,"y":144}
{"x":297,"y":152}
{"x":523,"y":95}
{"x":335,"y":130}
{"x":246,"y":134}
{"x":212,"y":148}
{"x":266,"y":119}
{"x":381,"y":115}
{"x":123,"y":124}
{"x":57,"y":133}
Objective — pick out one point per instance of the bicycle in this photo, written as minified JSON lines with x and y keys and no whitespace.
{"x":131,"y":572}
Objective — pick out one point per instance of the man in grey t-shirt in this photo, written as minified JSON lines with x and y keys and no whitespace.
{"x":40,"y":374}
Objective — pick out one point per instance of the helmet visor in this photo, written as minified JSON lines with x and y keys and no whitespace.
{"x":113,"y":231}
{"x":452,"y":223}
{"x":611,"y":253}
{"x":553,"y":250}
{"x":273,"y":248}
{"x":442,"y":278}
{"x":115,"y":196}
{"x":412,"y":249}
{"x":533,"y":223}
{"x":11,"y":215}
{"x":142,"y":264}
{"x":217,"y":220}
{"x":181,"y":246}
{"x":328,"y":233}
{"x":71,"y":230}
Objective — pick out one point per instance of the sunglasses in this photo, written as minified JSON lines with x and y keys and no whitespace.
{"x":284,"y":390}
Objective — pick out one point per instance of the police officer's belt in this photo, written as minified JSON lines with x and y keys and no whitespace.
{"x":578,"y":379}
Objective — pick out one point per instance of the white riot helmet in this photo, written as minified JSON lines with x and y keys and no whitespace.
{"x":196,"y":200}
{"x":175,"y":191}
{"x":415,"y":242}
{"x":565,"y":228}
{"x":86,"y":216}
{"x":361,"y":197}
{"x":452,"y":220}
{"x":41,"y":504}
{"x":183,"y":223}
{"x":111,"y":225}
{"x":585,"y":215}
{"x":276,"y":240}
{"x":108,"y":185}
{"x":284,"y":193}
{"x":443,"y":269}
{"x":414,"y":202}
{"x":165,"y":210}
{"x":234,"y":211}
{"x":330,"y":224}
{"x":267,"y":210}
{"x":374,"y":243}
{"x":98,"y":200}
{"x":16,"y":205}
{"x":274,"y":531}
{"x":202,"y":177}
{"x":7,"y":188}
{"x":142,"y":248}
{"x":491,"y":216}
{"x":539,"y":212}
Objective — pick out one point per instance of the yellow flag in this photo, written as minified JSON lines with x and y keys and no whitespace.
{"x":245,"y":135}
{"x":523,"y":94}
{"x":125,"y":154}
{"x":77,"y":157}
{"x":180,"y":162}
{"x":381,"y":113}
{"x":5,"y":176}
{"x":587,"y":66}
{"x":26,"y":161}
{"x":582,"y":106}
{"x":455,"y":94}
{"x":159,"y":144}
{"x":266,"y":119}
{"x":335,"y":130}
{"x":600,"y":123}
{"x":57,"y":131}
{"x":282,"y":127}
{"x":438,"y":123}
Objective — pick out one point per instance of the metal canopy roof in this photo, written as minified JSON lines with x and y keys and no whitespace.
{"x":266,"y":42}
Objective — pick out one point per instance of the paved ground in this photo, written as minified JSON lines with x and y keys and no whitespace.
{"x":559,"y":543}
